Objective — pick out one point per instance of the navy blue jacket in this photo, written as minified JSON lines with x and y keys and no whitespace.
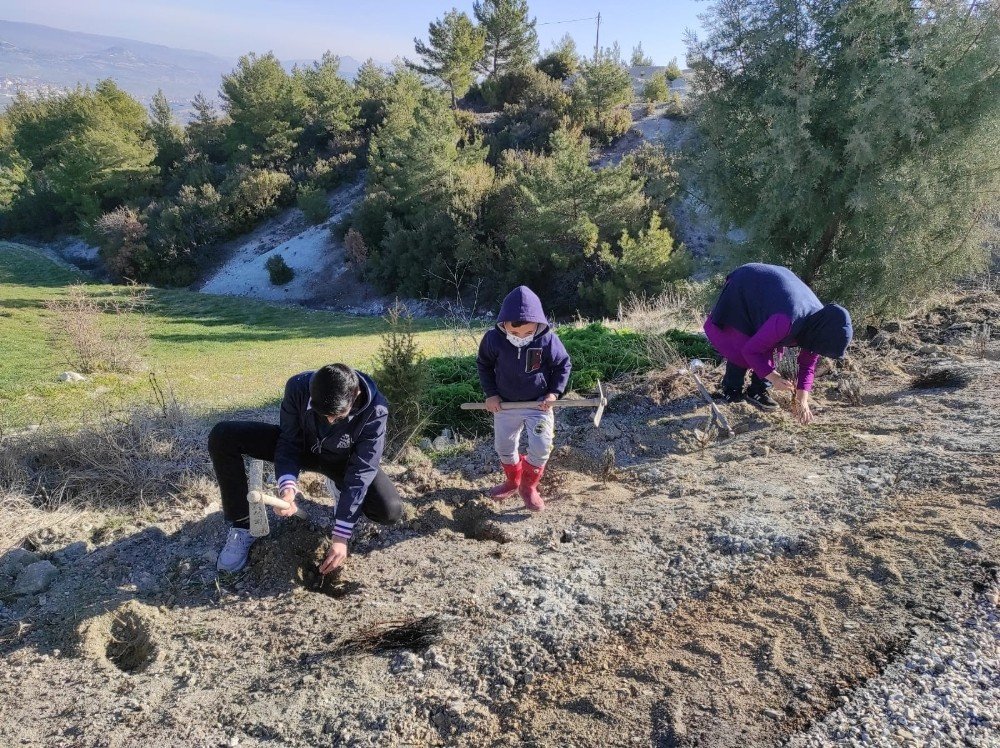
{"x":756,"y":292}
{"x":523,"y":374}
{"x":358,"y":441}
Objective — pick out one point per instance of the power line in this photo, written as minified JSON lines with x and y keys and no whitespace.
{"x":572,"y":20}
{"x":597,"y":39}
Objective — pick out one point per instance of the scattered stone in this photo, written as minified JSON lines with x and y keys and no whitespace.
{"x":441,"y":442}
{"x":71,"y":376}
{"x":761,"y":450}
{"x":425,"y":444}
{"x":35,"y":578}
{"x":72,"y":552}
{"x":434,"y":658}
{"x":610,"y":431}
{"x":15,"y":560}
{"x":404,"y":662}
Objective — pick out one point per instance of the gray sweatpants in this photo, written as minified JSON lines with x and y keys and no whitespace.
{"x":507,"y":427}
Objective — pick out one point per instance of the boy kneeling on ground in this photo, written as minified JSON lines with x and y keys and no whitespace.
{"x":333,"y":422}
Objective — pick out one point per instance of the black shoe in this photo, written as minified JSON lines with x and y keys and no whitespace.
{"x":728,"y":397}
{"x":762,"y":400}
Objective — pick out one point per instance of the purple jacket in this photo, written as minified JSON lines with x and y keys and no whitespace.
{"x":522,"y":374}
{"x":357,"y":441}
{"x":756,"y":293}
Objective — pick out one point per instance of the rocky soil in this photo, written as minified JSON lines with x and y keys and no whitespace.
{"x":829,"y":585}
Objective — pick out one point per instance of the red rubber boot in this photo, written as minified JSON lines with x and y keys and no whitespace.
{"x":528,"y":489}
{"x":509,"y":486}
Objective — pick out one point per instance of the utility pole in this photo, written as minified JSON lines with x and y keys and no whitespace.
{"x":597,"y":41}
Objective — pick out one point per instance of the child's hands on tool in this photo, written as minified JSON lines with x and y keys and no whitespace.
{"x":546,"y":402}
{"x":288,"y":496}
{"x":493,"y":404}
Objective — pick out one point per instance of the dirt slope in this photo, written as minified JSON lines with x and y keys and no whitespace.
{"x":687,"y":592}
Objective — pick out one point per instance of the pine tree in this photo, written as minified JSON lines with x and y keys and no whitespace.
{"x":264,"y":107}
{"x":562,"y":60}
{"x":206,"y":132}
{"x":604,"y":85}
{"x":371,"y":89}
{"x":166,"y":134}
{"x":454,"y":46}
{"x":568,"y":217}
{"x":88,"y":150}
{"x":511,"y":40}
{"x":867,"y":149}
{"x":599,"y":98}
{"x":416,"y":213}
{"x":640,"y":58}
{"x":673,"y":71}
{"x":13,"y":168}
{"x":329,"y":108}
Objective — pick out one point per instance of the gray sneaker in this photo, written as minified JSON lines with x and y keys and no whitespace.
{"x":233,"y":556}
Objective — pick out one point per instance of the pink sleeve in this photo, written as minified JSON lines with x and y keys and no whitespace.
{"x":807,"y":369}
{"x":759,"y":349}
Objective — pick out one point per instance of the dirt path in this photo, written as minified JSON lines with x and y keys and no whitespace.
{"x":760,"y":657}
{"x":687,"y":592}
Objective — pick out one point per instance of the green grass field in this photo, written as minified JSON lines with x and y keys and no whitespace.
{"x":214,"y":353}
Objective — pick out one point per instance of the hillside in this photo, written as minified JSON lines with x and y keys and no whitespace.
{"x":252,"y":346}
{"x":38,"y":58}
{"x":796,"y":586}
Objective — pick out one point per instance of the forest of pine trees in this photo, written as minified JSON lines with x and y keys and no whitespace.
{"x":855,"y":142}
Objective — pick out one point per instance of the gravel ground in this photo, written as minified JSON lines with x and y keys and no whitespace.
{"x":944,"y":691}
{"x":690,"y":592}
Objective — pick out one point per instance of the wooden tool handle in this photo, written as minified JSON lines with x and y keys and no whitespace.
{"x":592,"y":403}
{"x":262,"y":498}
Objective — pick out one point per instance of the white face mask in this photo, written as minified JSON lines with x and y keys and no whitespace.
{"x":519,"y":342}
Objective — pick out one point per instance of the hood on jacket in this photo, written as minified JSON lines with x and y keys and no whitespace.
{"x":523,"y":304}
{"x":827,"y":332}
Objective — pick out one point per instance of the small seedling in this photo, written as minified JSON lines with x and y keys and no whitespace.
{"x":850,"y":389}
{"x":981,"y":335}
{"x":608,"y":460}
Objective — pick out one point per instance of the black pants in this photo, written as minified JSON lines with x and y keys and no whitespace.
{"x":732,"y":381}
{"x":229,"y":441}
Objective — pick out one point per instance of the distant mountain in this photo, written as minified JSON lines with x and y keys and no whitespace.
{"x":348,"y":65}
{"x":41,"y":59}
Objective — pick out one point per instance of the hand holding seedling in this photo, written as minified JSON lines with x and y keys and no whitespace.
{"x":335,"y":556}
{"x":780,"y":383}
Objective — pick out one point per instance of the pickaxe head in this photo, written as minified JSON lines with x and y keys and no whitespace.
{"x":259,"y":526}
{"x":601,"y":402}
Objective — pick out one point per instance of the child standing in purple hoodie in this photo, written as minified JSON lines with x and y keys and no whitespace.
{"x":521,"y":359}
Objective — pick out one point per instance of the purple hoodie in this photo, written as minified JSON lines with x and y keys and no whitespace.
{"x":764,"y":309}
{"x":757,"y":296}
{"x":522,"y":374}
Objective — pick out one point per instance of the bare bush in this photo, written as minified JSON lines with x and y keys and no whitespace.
{"x":121,"y":235}
{"x":981,"y":335}
{"x":679,"y":308}
{"x":355,"y":248}
{"x":120,"y":459}
{"x":101,"y":334}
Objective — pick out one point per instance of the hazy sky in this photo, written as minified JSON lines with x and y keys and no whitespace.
{"x":305,"y":28}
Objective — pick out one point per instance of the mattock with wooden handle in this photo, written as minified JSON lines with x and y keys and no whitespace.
{"x":599,"y":402}
{"x":694,"y":367}
{"x":258,"y":501}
